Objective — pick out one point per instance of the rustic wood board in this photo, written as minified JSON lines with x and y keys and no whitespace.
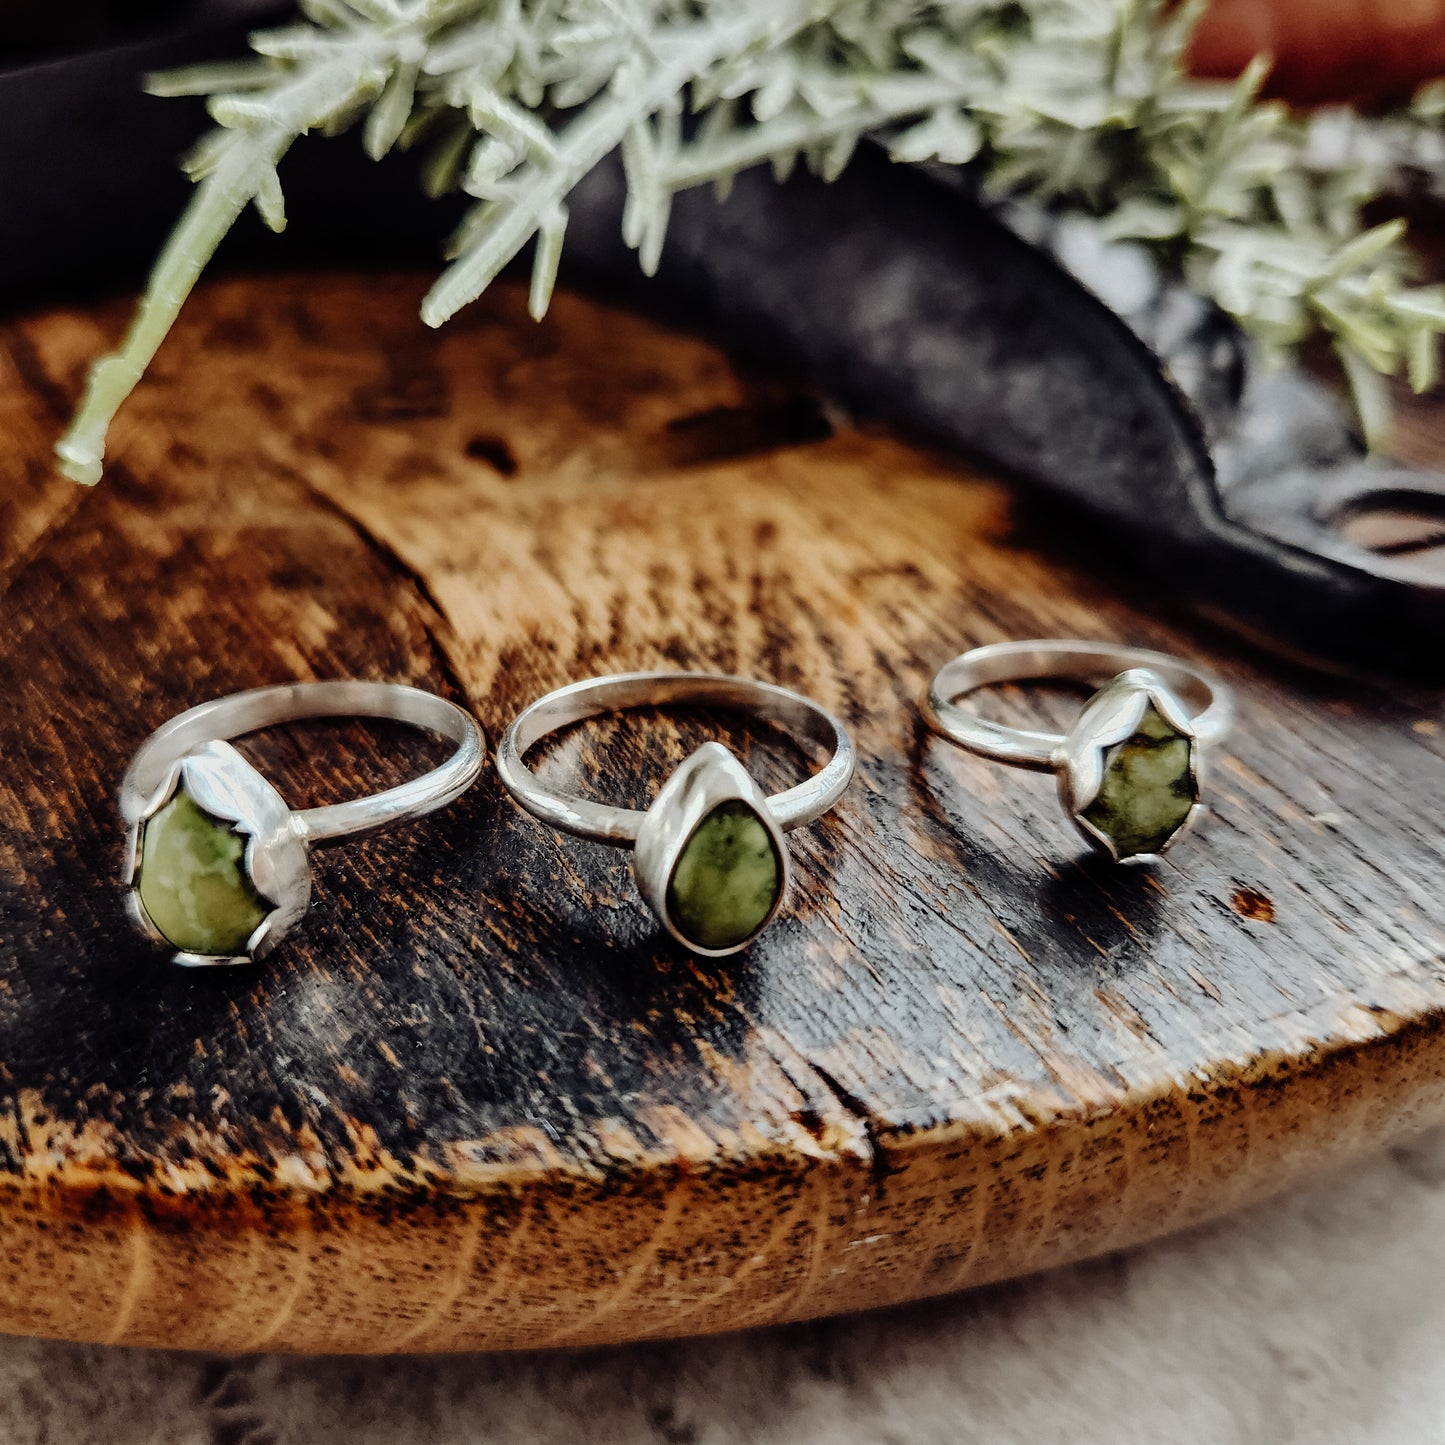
{"x":476,"y":1100}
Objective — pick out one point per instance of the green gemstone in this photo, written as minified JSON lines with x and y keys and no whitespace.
{"x":726,"y":880}
{"x":1148,"y":788}
{"x":193,"y":881}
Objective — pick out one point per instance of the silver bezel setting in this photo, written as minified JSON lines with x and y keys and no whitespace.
{"x":222,"y":783}
{"x":709,"y":777}
{"x":1110,"y":717}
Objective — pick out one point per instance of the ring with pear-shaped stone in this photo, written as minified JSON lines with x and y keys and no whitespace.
{"x":708,"y":854}
{"x":1131,"y":769}
{"x":217,"y":865}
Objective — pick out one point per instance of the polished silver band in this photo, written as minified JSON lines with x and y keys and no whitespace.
{"x":263,"y":707}
{"x":1209,"y":702}
{"x":800,"y":716}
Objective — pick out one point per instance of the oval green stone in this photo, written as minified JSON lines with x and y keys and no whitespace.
{"x":193,"y":881}
{"x":1148,"y":788}
{"x":726,"y":880}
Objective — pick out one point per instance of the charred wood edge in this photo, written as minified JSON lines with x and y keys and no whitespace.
{"x":123,"y":1228}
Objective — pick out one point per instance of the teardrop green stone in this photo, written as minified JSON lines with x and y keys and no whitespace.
{"x":1148,"y":788}
{"x":726,"y":880}
{"x":193,"y":881}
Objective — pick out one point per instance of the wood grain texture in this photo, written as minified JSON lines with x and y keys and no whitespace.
{"x":476,"y":1100}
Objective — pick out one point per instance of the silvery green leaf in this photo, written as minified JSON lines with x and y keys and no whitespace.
{"x":493,"y":112}
{"x":1421,"y":303}
{"x":829,"y":95}
{"x":716,"y":122}
{"x":479,"y":49}
{"x":550,"y":232}
{"x":390,"y":113}
{"x":226,"y":75}
{"x":654,"y":232}
{"x":639,"y":163}
{"x":443,"y":166}
{"x":836,"y":154}
{"x":578,"y":89}
{"x":421,"y":123}
{"x":297,"y":43}
{"x":778,"y":86}
{"x":379,"y":12}
{"x":474,"y":226}
{"x":490,"y":161}
{"x":1145,"y":219}
{"x":947,"y":135}
{"x":580,"y":39}
{"x":237,"y":113}
{"x":1372,"y":399}
{"x":1367,"y":247}
{"x":328,"y":13}
{"x":940,"y":53}
{"x":1424,"y":358}
{"x":269,"y":201}
{"x":1363,"y":336}
{"x":205,"y":155}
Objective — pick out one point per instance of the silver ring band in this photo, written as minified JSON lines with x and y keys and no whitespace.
{"x":708,"y":855}
{"x":596,"y":696}
{"x":240,"y":713}
{"x":1211,"y":704}
{"x":217,"y":864}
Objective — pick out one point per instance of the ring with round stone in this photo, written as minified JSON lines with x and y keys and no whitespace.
{"x":709,"y":855}
{"x":217,"y":865}
{"x":1131,"y":768}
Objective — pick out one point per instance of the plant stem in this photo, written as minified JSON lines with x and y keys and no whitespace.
{"x":242,"y":171}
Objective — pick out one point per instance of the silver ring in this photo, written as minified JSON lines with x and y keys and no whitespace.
{"x":217,"y":865}
{"x":709,"y":856}
{"x":1131,"y":769}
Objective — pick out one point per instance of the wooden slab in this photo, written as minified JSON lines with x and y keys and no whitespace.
{"x":476,"y":1101}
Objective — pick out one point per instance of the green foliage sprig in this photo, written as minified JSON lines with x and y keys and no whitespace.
{"x":1084,"y":101}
